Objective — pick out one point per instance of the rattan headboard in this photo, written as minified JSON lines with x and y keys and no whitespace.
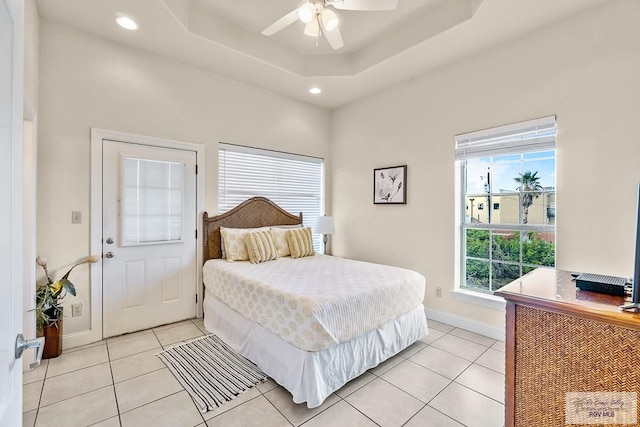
{"x":253,"y":213}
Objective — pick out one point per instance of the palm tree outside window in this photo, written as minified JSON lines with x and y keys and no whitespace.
{"x":530,"y":188}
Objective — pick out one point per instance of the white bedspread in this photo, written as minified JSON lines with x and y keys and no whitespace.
{"x":315,"y":302}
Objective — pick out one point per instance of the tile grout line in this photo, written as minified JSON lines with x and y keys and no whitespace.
{"x":324,"y":410}
{"x":363,"y":414}
{"x":275,"y":407}
{"x":113,"y":384}
{"x":35,"y":421}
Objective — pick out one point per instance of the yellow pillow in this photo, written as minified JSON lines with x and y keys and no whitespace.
{"x":279,"y":236}
{"x":235,"y":248}
{"x":260,"y":247}
{"x":300,"y":242}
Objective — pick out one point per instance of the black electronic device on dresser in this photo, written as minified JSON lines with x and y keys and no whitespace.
{"x":611,"y":285}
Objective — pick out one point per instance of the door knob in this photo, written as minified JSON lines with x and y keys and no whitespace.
{"x":22,"y":345}
{"x":109,"y":255}
{"x":109,"y":241}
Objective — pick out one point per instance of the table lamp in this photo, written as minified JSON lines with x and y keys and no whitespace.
{"x":325,"y":227}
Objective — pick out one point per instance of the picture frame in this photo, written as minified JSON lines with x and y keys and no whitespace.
{"x":390,"y":185}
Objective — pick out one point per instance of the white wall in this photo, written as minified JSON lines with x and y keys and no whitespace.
{"x":87,"y":81}
{"x":31,"y":57}
{"x":585,"y":70}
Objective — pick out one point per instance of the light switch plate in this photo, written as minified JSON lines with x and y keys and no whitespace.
{"x":76,"y":217}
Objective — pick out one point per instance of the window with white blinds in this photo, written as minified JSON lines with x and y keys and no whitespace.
{"x":292,"y":181}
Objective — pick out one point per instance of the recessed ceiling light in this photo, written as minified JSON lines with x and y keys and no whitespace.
{"x":315,"y":90}
{"x":126,"y":22}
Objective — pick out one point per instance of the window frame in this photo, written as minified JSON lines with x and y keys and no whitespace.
{"x":547,"y":144}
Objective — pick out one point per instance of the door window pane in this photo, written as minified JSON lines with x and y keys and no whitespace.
{"x":151,"y":201}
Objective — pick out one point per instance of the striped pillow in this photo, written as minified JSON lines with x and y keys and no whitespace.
{"x":300,"y":242}
{"x":260,"y":246}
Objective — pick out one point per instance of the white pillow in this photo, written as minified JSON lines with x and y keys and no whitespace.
{"x":233,"y":245}
{"x":279,"y":236}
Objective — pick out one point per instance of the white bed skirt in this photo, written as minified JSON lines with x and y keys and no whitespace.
{"x":312,"y":376}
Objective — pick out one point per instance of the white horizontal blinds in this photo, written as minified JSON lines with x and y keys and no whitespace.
{"x":292,"y":181}
{"x":523,"y":137}
{"x":152,"y":201}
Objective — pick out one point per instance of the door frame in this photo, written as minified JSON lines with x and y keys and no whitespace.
{"x":97,"y":137}
{"x":30,"y":138}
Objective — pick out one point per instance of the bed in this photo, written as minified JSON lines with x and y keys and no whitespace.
{"x":312,"y":323}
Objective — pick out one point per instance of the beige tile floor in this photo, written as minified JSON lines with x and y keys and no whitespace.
{"x":452,"y":377}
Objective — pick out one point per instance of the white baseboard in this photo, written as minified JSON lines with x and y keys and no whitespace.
{"x":76,"y":339}
{"x":490,"y":331}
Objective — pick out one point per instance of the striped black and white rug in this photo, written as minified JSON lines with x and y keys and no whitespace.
{"x":211,"y":371}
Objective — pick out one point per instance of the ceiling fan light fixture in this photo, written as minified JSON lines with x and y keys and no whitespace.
{"x":306,"y":12}
{"x":312,"y":28}
{"x":330,"y":20}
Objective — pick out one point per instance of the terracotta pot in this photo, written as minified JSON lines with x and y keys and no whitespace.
{"x":52,"y":340}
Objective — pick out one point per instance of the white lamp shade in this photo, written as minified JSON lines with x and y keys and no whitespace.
{"x":312,"y":28}
{"x":306,"y":12}
{"x":325,"y":225}
{"x":329,"y":19}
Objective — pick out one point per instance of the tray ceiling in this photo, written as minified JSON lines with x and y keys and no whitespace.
{"x":380,"y":48}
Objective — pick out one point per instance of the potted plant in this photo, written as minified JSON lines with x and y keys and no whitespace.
{"x":49,"y":307}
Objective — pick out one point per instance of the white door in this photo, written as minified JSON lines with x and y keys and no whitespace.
{"x":148,"y":239}
{"x":11,"y":310}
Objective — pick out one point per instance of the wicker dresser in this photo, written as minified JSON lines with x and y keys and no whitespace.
{"x":561,"y":339}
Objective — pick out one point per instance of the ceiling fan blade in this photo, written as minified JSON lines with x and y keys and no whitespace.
{"x":334,"y":38}
{"x":281,"y":23}
{"x":365,"y":4}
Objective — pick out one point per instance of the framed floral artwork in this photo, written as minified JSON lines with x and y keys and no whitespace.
{"x":390,"y":186}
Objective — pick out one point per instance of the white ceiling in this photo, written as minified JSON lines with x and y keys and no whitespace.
{"x":380,"y":48}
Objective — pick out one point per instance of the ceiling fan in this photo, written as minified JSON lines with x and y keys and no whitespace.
{"x":320,"y":19}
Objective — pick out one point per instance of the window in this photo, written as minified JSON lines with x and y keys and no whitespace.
{"x":512,"y":169}
{"x":152,"y":203}
{"x":292,"y":181}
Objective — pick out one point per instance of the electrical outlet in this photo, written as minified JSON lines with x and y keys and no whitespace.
{"x":76,"y":310}
{"x":439,"y":292}
{"x":76,"y":217}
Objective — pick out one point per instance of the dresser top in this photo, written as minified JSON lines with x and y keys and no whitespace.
{"x":556,"y":290}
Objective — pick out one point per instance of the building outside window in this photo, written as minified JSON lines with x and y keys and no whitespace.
{"x":510,"y":170}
